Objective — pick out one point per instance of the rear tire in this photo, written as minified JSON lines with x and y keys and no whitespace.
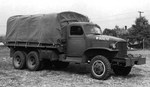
{"x":19,"y":59}
{"x":33,"y":62}
{"x":122,"y":71}
{"x":100,"y":68}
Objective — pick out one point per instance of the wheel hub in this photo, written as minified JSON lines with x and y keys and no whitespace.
{"x":98,"y":68}
{"x":18,"y":60}
{"x":32,"y":61}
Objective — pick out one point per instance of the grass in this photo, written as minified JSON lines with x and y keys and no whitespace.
{"x":73,"y":76}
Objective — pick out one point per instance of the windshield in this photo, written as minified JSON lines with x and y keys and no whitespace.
{"x":92,"y":29}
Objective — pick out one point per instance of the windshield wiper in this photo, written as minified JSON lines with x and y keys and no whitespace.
{"x":96,"y":33}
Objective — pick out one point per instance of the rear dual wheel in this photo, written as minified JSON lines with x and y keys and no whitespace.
{"x":19,"y":60}
{"x":33,"y":62}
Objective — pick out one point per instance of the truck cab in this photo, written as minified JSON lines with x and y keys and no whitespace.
{"x":83,"y":37}
{"x":86,"y":44}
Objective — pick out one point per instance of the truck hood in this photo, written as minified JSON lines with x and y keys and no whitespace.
{"x":104,"y":37}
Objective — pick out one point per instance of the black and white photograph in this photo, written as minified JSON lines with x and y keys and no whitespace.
{"x":74,"y":43}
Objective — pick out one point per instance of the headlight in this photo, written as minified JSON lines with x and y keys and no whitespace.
{"x":113,"y":46}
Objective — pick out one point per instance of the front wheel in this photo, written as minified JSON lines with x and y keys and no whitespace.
{"x":100,"y":67}
{"x":123,"y":71}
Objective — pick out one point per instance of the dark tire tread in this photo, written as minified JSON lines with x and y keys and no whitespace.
{"x":122,"y":71}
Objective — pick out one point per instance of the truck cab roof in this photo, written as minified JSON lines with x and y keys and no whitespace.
{"x":83,"y":23}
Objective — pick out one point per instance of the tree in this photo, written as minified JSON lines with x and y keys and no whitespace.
{"x":109,"y":32}
{"x":140,"y":30}
{"x":121,"y":32}
{"x":117,"y":32}
{"x":1,"y":38}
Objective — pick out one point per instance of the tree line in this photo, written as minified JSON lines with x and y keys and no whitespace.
{"x":1,"y":38}
{"x":138,"y":33}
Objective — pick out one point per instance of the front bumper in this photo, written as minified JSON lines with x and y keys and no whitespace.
{"x":129,"y":61}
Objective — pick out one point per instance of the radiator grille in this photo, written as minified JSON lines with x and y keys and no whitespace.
{"x":122,"y":47}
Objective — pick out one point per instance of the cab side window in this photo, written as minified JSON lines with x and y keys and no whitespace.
{"x":76,"y":30}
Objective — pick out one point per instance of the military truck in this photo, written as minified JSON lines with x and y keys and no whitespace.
{"x":57,"y":39}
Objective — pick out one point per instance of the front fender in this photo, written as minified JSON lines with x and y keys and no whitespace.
{"x":101,"y":48}
{"x":93,"y":51}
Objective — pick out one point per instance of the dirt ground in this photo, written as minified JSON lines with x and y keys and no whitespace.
{"x":76,"y":75}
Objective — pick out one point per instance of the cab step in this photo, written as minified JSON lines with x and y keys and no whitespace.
{"x":73,"y":59}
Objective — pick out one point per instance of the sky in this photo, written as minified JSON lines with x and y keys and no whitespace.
{"x":105,"y":13}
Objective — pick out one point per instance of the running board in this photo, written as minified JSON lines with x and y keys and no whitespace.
{"x":73,"y":59}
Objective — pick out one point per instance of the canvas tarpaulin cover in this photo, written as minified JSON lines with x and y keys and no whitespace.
{"x":43,"y":28}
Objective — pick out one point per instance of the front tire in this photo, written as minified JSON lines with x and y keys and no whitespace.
{"x":122,"y":71}
{"x":100,"y":68}
{"x":19,"y":60}
{"x":33,"y":62}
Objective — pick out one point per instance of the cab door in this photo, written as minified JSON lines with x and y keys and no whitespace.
{"x":76,"y":41}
